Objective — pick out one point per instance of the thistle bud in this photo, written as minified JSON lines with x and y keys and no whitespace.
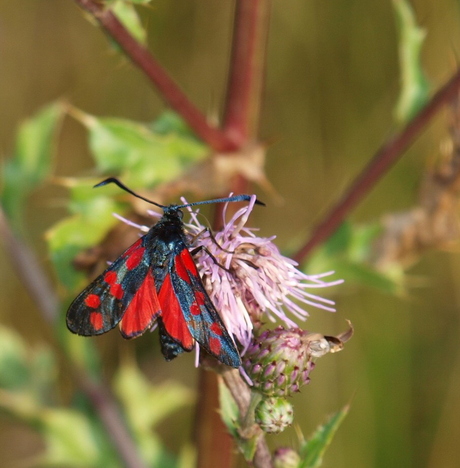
{"x":286,"y":457}
{"x":274,"y":414}
{"x":279,"y":361}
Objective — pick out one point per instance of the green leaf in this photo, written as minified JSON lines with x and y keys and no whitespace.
{"x":365,"y":275}
{"x":14,"y":371}
{"x":128,"y":16}
{"x":87,"y":227}
{"x":143,"y":155}
{"x":414,"y":84}
{"x":231,"y":418}
{"x":145,"y":406}
{"x":72,"y":440}
{"x":28,"y":381}
{"x":31,"y":162}
{"x":339,"y":242}
{"x":313,"y":449}
{"x":27,"y":370}
{"x":171,"y":123}
{"x":229,"y":410}
{"x":347,"y":253}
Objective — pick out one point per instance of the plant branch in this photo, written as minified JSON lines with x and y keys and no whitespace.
{"x":35,"y":281}
{"x":158,"y":76}
{"x":247,"y":67}
{"x":109,"y":414}
{"x":240,"y":125}
{"x":214,"y":444}
{"x":28,"y":270}
{"x":385,"y":157}
{"x":241,"y":393}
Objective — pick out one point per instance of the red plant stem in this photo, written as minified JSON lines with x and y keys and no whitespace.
{"x":247,"y":67}
{"x":241,"y":118}
{"x":214,"y":443}
{"x":385,"y":157}
{"x":167,"y":87}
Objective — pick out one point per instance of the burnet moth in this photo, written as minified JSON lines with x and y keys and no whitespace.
{"x":156,"y":280}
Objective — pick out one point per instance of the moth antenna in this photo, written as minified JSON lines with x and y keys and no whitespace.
{"x":114,"y":180}
{"x":235,"y":198}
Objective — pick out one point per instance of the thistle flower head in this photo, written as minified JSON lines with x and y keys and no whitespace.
{"x":248,"y":279}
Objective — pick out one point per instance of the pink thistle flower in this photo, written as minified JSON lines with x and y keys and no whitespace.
{"x":248,"y":279}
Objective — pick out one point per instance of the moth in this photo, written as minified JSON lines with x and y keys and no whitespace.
{"x":156,"y":281}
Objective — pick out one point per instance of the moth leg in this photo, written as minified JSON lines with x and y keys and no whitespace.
{"x":213,"y":239}
{"x":232,"y":252}
{"x":214,"y":259}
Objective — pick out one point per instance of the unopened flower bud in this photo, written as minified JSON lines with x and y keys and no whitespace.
{"x":286,"y":457}
{"x":279,"y":361}
{"x":274,"y":414}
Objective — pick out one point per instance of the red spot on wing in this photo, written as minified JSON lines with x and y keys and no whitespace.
{"x":195,"y":309}
{"x":217,"y":329}
{"x":172,"y":316}
{"x":199,"y":301}
{"x":93,"y":301}
{"x":185,"y":268}
{"x":215,"y":346}
{"x":142,"y":311}
{"x":96,"y":320}
{"x":110,"y":277}
{"x":135,"y":258}
{"x":117,"y":290}
{"x":200,"y":297}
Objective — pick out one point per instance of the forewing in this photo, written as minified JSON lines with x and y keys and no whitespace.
{"x":122,"y":293}
{"x":199,"y":315}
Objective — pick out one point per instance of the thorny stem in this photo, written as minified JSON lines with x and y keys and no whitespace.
{"x":385,"y":157}
{"x":167,"y":87}
{"x":34,"y":280}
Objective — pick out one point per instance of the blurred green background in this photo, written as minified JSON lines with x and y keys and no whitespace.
{"x":331,"y":88}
